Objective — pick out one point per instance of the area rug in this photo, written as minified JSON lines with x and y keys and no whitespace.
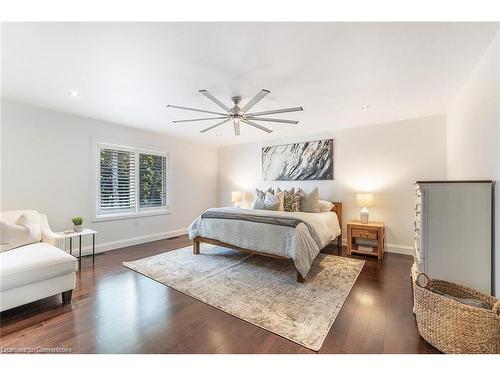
{"x":260,"y":290}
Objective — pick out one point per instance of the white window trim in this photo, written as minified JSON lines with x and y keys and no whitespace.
{"x":137,"y":212}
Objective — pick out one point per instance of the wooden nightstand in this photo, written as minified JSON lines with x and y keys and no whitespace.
{"x":374,"y":230}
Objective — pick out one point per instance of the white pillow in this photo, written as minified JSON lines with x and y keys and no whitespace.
{"x":325,"y":206}
{"x":17,"y":234}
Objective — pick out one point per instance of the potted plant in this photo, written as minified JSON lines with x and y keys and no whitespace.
{"x":77,"y":223}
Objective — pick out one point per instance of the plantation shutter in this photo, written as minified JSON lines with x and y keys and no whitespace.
{"x":152,"y":180}
{"x":117,"y":180}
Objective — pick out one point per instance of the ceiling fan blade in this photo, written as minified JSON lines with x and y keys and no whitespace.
{"x":215,"y":100}
{"x":194,"y":109}
{"x":275,"y":111}
{"x":236,"y":127}
{"x":202,"y":119}
{"x":257,"y":126}
{"x":214,"y":126}
{"x":257,"y":98}
{"x":272,"y":120}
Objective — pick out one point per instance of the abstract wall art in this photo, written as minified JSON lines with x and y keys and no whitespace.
{"x":298,"y":161}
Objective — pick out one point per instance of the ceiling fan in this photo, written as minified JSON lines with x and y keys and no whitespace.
{"x":238,"y":114}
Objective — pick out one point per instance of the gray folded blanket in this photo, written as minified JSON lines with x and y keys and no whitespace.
{"x":281,"y":221}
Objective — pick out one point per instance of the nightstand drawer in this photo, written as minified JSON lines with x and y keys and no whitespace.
{"x":373,"y":231}
{"x":364,"y":233}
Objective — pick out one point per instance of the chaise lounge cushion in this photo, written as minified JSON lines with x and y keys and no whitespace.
{"x":32,"y":263}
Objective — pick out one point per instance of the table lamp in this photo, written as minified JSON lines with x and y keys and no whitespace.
{"x":364,"y":201}
{"x":237,"y":197}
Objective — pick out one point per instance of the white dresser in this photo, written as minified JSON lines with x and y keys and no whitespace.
{"x":453,"y":232}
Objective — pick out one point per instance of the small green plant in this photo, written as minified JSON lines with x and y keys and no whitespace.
{"x":77,"y":220}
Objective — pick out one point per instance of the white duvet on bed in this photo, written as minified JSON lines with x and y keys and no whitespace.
{"x":301,"y":243}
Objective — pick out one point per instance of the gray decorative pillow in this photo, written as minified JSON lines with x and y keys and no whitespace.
{"x":309,"y":202}
{"x":291,"y":202}
{"x":272,"y":202}
{"x":281,"y":197}
{"x":289,"y":191}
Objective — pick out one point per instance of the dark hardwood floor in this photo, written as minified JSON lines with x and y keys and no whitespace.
{"x":116,"y":310}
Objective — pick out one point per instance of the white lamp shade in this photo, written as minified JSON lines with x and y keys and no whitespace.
{"x":237,"y":196}
{"x":364,"y":200}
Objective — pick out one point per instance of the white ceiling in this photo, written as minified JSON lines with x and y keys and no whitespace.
{"x":128,"y":72}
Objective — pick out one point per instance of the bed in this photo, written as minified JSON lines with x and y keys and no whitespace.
{"x":298,"y":236}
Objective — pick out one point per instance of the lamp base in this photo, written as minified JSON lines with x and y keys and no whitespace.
{"x":364,"y":215}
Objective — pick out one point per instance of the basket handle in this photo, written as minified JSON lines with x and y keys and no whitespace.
{"x":496,"y":309}
{"x":427,"y":279}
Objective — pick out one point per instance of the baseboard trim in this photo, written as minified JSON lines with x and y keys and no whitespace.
{"x":113,"y":245}
{"x":391,"y":248}
{"x":399,"y":249}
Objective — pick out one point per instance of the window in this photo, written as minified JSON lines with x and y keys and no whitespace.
{"x":131,"y":182}
{"x":117,"y":180}
{"x":152,"y":180}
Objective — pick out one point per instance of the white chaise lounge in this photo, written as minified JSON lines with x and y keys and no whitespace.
{"x":32,"y":267}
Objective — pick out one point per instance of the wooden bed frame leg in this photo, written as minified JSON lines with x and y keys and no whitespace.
{"x":196,"y":246}
{"x":300,"y":278}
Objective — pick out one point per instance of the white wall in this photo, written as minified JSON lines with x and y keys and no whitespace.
{"x":473,"y":132}
{"x":385,"y":159}
{"x":46,"y":165}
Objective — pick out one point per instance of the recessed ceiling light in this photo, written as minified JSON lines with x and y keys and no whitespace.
{"x":365,"y":107}
{"x":73,"y":93}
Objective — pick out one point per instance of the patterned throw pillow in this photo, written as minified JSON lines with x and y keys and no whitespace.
{"x":270,"y":202}
{"x":260,"y":194}
{"x":292,"y":202}
{"x":258,"y":204}
{"x":264,"y":199}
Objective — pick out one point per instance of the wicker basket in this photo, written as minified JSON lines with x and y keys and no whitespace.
{"x":452,"y":326}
